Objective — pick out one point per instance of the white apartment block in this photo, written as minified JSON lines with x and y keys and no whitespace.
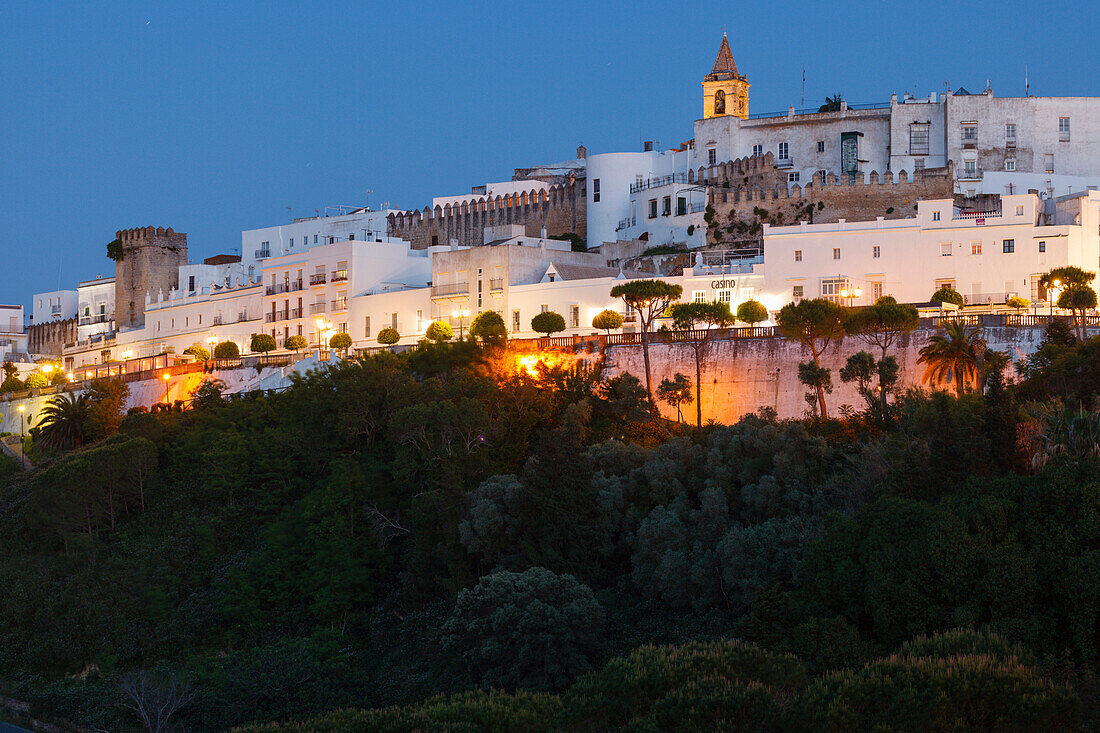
{"x":54,"y":306}
{"x":360,"y":224}
{"x":987,"y":256}
{"x":13,"y":339}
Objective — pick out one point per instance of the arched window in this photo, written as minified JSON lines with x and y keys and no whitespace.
{"x":719,"y":102}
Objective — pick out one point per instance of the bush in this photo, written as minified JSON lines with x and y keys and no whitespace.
{"x":439,"y":331}
{"x":11,"y":384}
{"x":295,"y":343}
{"x":947,"y":294}
{"x":607,"y":320}
{"x":388,"y":336}
{"x":547,"y":323}
{"x":227,"y":350}
{"x":262,"y":343}
{"x":201,"y":353}
{"x":534,"y":629}
{"x":36,"y":381}
{"x":488,"y":326}
{"x":340,"y":341}
{"x":752,"y":312}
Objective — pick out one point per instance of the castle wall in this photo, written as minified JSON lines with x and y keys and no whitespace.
{"x":560,"y":208}
{"x":151,"y":258}
{"x":49,"y":337}
{"x":740,"y":377}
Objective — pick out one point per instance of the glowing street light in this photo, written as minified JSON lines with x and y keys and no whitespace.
{"x":1053,"y":294}
{"x":323,"y":326}
{"x":851,"y":294}
{"x":461,"y":314}
{"x":167,"y":380}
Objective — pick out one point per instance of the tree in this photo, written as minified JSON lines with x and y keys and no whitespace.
{"x":548,"y":322}
{"x":489,"y":327}
{"x":956,"y":355}
{"x":114,"y":250}
{"x":11,"y":384}
{"x":227,"y":350}
{"x":1017,"y":303}
{"x":752,"y":312}
{"x":64,"y":421}
{"x":576,"y":243}
{"x":832,"y":104}
{"x":262,"y":343}
{"x":649,"y":299}
{"x":862,"y":368}
{"x":106,"y":407}
{"x":607,"y":320}
{"x":675,"y":392}
{"x":697,"y":322}
{"x":947,"y":294}
{"x":814,"y":323}
{"x":208,"y":394}
{"x":388,"y":336}
{"x":200,"y":352}
{"x":295,"y":343}
{"x":439,"y":331}
{"x":881,"y":325}
{"x":37,"y":380}
{"x":155,"y":699}
{"x":341,"y":341}
{"x":1076,"y":293}
{"x":534,"y":629}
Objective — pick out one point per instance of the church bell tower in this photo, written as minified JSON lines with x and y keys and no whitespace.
{"x":725,"y":92}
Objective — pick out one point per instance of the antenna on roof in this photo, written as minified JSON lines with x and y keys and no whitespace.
{"x":802,"y":102}
{"x":1027,"y":87}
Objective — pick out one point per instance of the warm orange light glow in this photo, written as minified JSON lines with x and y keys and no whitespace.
{"x":529,"y":363}
{"x":167,"y":377}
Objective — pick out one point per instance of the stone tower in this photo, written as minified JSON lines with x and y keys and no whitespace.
{"x":725,"y":92}
{"x":151,"y":258}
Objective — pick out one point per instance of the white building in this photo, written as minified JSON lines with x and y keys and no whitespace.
{"x":56,"y":305}
{"x":96,"y":308}
{"x":13,"y":339}
{"x":360,"y":224}
{"x":986,"y":256}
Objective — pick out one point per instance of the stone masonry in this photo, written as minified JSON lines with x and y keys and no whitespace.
{"x":151,"y":258}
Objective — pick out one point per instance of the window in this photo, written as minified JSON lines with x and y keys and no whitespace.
{"x":545,"y":308}
{"x":191,"y":283}
{"x":1009,"y":246}
{"x":724,"y":296}
{"x":823,"y":175}
{"x":699,"y":296}
{"x":796,"y":291}
{"x":945,"y":284}
{"x":393,"y":321}
{"x":757,"y":150}
{"x":945,"y":249}
{"x":831,"y":288}
{"x":784,"y":151}
{"x":935,"y":216}
{"x":712,"y":156}
{"x":821,"y":146}
{"x":419,"y":321}
{"x":515,"y":320}
{"x":653,"y":208}
{"x":1019,"y":211}
{"x":574,"y":316}
{"x":666,"y":206}
{"x":1048,"y":159}
{"x":798,"y":255}
{"x":719,"y":102}
{"x":1042,"y":246}
{"x":918,"y":139}
{"x":876,"y":291}
{"x":970,"y":133}
{"x":975,"y":248}
{"x":292,"y":241}
{"x":836,"y":253}
{"x":918,"y":164}
{"x":1010,"y":131}
{"x":681,"y":206}
{"x":970,"y":169}
{"x":1063,"y":129}
{"x":748,"y":293}
{"x":794,"y":177}
{"x":1010,"y":165}
{"x":595,"y":190}
{"x":876,"y":251}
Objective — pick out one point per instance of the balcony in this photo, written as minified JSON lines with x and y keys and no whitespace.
{"x":242,"y":316}
{"x":496,"y":283}
{"x":219,"y":321}
{"x":284,"y":287}
{"x":975,"y":214}
{"x":294,"y":313}
{"x":1063,"y":137}
{"x":315,"y":308}
{"x":339,"y":276}
{"x":261,"y":253}
{"x":97,"y":318}
{"x":918,"y":149}
{"x":626,"y":223}
{"x":318,"y":279}
{"x":784,"y":163}
{"x":970,"y":174}
{"x":449,"y":290}
{"x":658,"y":182}
{"x":340,"y":304}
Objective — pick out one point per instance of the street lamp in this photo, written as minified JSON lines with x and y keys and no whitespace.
{"x":167,"y":378}
{"x":461,"y":314}
{"x":22,"y":438}
{"x":851,"y":294}
{"x":323,"y":325}
{"x":1052,"y":295}
{"x":213,"y":341}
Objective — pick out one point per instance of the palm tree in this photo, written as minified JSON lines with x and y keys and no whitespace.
{"x":956,"y":355}
{"x":64,"y":422}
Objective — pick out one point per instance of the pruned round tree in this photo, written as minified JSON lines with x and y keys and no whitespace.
{"x":488,"y":326}
{"x":548,"y":322}
{"x":295,"y":343}
{"x":947,"y":294}
{"x":341,"y":341}
{"x":388,"y":336}
{"x":752,"y":312}
{"x":262,"y":343}
{"x":227,"y":350}
{"x":439,"y":331}
{"x":200,"y":352}
{"x":607,"y":320}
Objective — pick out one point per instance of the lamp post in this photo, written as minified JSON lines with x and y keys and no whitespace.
{"x":323,"y":326}
{"x":1051,"y":296}
{"x":167,"y":378}
{"x":213,"y":341}
{"x":22,"y":438}
{"x":461,"y":314}
{"x":851,"y":294}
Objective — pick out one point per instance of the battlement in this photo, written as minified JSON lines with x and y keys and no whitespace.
{"x":150,"y":262}
{"x":142,"y":236}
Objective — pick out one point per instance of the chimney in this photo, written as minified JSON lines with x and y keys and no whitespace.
{"x":582,"y":152}
{"x":647,"y":146}
{"x":543,"y":234}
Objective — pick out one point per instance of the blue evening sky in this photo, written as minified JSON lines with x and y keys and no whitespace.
{"x":213,"y":117}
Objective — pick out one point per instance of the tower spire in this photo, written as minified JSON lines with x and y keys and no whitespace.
{"x":724,"y":63}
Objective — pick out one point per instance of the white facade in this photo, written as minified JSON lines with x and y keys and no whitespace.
{"x":56,"y":305}
{"x":986,"y":256}
{"x":95,"y":308}
{"x":301,"y":234}
{"x":13,"y":339}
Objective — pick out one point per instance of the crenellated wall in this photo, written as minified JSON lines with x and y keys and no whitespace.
{"x":151,"y":258}
{"x":559,"y":208}
{"x":49,"y":337}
